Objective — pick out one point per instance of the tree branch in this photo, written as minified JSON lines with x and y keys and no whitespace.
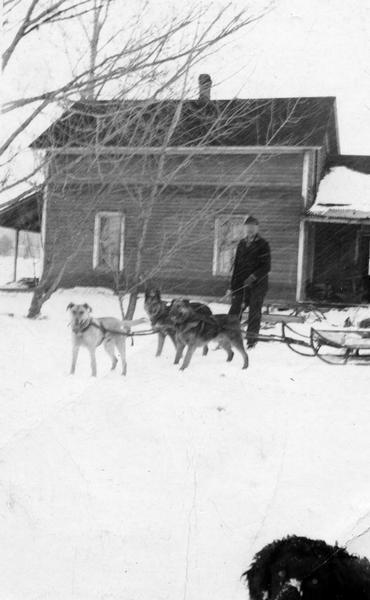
{"x":19,"y":34}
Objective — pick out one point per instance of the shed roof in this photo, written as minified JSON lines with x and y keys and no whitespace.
{"x":23,"y":212}
{"x":356,"y":162}
{"x":343,"y":193}
{"x":238,"y":122}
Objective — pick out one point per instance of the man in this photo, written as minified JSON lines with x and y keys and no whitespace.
{"x":249,"y":281}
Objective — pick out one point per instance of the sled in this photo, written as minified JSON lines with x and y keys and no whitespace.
{"x":335,"y":346}
{"x":341,"y":346}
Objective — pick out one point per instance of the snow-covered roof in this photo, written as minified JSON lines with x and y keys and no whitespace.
{"x":343,"y":193}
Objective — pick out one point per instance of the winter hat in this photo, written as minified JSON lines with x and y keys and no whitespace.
{"x":251,"y":220}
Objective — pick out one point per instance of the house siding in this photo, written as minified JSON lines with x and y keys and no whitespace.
{"x":267,"y":170}
{"x":183,"y":216}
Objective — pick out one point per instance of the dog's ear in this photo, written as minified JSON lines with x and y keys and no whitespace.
{"x":87,"y":306}
{"x":70,"y":305}
{"x":258,"y":576}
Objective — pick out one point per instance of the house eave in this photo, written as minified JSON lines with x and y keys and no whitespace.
{"x":331,"y":219}
{"x":188,"y":150}
{"x":335,"y":109}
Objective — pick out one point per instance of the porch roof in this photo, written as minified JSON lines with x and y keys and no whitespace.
{"x":23,"y":212}
{"x":343,"y":194}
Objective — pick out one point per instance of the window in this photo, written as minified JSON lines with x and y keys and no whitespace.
{"x":228,"y":232}
{"x":109,"y":241}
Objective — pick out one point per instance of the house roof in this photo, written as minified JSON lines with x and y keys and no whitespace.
{"x":343,"y":193}
{"x":258,"y":122}
{"x":23,"y":212}
{"x":360,"y":163}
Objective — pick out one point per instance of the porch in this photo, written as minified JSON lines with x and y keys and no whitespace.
{"x":337,"y":265}
{"x":336,"y":232}
{"x":23,"y":215}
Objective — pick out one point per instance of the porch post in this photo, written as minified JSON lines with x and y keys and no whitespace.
{"x":16,"y":255}
{"x":307,"y":176}
{"x":301,"y":271}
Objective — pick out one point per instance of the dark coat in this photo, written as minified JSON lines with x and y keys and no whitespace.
{"x":252,"y":261}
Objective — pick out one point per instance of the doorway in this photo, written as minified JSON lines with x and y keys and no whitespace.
{"x":339,"y":268}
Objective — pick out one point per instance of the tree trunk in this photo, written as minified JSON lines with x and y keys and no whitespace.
{"x":132,"y":304}
{"x":42,"y":293}
{"x":37,"y":301}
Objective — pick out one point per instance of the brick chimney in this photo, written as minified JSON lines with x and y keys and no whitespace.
{"x":205,"y":84}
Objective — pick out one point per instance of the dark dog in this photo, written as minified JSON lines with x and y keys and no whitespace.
{"x":158,"y":312}
{"x":298,"y":568}
{"x":194,"y":330}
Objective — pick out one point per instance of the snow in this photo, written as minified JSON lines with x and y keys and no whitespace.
{"x":164,"y":484}
{"x":343,"y":192}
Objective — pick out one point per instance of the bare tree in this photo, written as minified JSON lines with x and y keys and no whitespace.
{"x":158,"y":61}
{"x":126,"y":63}
{"x":150,"y":59}
{"x":20,"y":21}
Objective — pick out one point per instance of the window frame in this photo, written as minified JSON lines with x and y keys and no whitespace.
{"x":216,"y":247}
{"x":97,"y":230}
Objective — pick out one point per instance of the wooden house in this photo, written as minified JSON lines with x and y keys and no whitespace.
{"x":162,"y":188}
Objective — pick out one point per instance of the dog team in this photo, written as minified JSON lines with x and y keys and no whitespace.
{"x":189,"y":325}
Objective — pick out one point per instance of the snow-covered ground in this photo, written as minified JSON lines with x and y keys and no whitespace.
{"x":163,"y":484}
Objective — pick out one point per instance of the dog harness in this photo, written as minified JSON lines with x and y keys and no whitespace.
{"x":90,"y":323}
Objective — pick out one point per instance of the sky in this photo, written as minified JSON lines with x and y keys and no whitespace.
{"x":309,"y":48}
{"x":299,"y":48}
